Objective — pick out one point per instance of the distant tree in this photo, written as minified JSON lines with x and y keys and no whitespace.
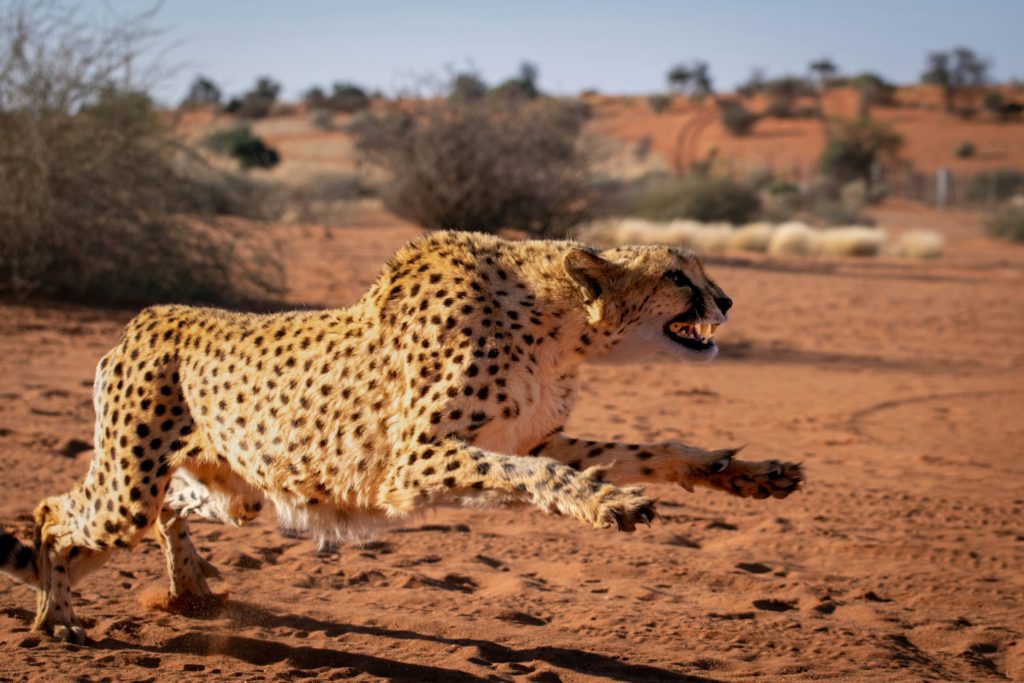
{"x":315,"y":98}
{"x":257,"y":102}
{"x":694,"y":80}
{"x":755,"y":84}
{"x":783,"y":92}
{"x":467,"y":87}
{"x":969,"y":70}
{"x":203,"y":91}
{"x":953,"y":72}
{"x":824,"y":70}
{"x":347,"y":97}
{"x":523,"y":86}
{"x":872,"y":90}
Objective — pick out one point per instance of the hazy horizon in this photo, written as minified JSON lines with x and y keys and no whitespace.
{"x":577,"y":45}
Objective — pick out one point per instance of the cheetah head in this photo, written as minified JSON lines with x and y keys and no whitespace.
{"x":651,"y":299}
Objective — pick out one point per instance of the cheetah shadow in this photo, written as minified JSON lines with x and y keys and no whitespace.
{"x":265,"y":652}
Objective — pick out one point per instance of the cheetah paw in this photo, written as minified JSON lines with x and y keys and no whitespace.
{"x":69,"y":633}
{"x":747,"y":479}
{"x":625,"y":508}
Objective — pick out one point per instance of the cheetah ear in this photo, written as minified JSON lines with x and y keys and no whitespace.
{"x":591,"y":274}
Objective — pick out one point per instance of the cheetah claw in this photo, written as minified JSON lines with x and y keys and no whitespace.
{"x":759,"y":480}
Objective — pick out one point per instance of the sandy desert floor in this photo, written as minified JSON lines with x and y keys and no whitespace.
{"x":900,"y":385}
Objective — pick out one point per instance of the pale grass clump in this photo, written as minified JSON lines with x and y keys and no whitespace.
{"x":920,"y":244}
{"x":852,"y":240}
{"x":711,"y":238}
{"x":794,"y":238}
{"x":752,"y":237}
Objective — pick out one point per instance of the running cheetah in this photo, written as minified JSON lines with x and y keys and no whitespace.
{"x":449,"y":381}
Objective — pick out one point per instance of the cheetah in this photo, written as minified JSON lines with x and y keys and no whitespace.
{"x":448,"y":382}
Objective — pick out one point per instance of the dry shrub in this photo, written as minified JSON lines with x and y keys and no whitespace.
{"x":482,"y":164}
{"x":698,"y":197}
{"x":854,"y":146}
{"x":92,"y":199}
{"x":736,"y":118}
{"x":1008,"y":222}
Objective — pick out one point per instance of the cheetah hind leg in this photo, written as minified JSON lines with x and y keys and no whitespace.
{"x":189,"y":592}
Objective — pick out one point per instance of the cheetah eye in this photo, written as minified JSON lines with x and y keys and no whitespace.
{"x":678,"y":278}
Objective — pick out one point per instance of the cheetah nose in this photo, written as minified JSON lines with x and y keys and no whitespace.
{"x":724,"y":303}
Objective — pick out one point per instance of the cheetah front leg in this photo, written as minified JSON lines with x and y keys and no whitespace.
{"x":456,"y":470}
{"x":678,"y":463}
{"x":54,"y":614}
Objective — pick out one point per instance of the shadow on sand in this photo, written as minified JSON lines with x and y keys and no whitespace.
{"x":265,"y":652}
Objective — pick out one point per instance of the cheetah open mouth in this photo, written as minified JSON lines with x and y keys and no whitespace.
{"x":695,"y":336}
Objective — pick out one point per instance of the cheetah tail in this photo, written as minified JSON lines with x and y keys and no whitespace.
{"x":18,"y":559}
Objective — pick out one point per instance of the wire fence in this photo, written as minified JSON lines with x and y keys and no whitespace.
{"x":941,"y":188}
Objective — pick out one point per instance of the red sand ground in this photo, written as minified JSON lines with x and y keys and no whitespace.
{"x":899,"y":384}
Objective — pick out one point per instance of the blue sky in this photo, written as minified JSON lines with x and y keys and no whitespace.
{"x":616,"y":47}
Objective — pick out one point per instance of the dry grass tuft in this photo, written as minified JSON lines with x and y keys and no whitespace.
{"x":853,"y":240}
{"x":920,"y":244}
{"x":793,"y":238}
{"x":752,"y":237}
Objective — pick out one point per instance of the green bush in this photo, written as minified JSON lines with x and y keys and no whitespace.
{"x":736,"y":118}
{"x":698,"y":197}
{"x":780,"y":107}
{"x":965,"y":149}
{"x":1007,"y":223}
{"x":996,"y":104}
{"x":239,"y":142}
{"x":481,"y":165}
{"x":854,"y":146}
{"x":658,"y":103}
{"x":93,"y":194}
{"x":780,"y":200}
